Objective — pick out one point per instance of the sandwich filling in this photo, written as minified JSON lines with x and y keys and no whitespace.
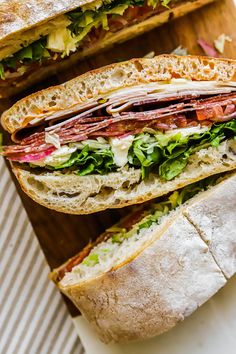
{"x":125,"y":239}
{"x":154,"y":127}
{"x":80,"y":29}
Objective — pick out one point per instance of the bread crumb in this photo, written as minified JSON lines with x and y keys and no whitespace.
{"x":219,"y":43}
{"x":180,"y":51}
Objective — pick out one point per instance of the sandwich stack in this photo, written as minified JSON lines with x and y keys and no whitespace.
{"x":126,"y":134}
{"x":156,"y":134}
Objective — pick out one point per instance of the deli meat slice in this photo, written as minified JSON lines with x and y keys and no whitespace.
{"x":182,"y":114}
{"x":33,"y":156}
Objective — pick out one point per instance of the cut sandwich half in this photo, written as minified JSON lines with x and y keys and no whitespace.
{"x":125,"y":133}
{"x":48,"y":36}
{"x":157,"y":265}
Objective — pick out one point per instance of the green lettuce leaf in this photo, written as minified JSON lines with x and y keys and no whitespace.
{"x":172,"y":152}
{"x":32,"y":53}
{"x":173,"y":167}
{"x":2,"y":71}
{"x":91,"y":260}
{"x":89,"y":162}
{"x":83,"y":21}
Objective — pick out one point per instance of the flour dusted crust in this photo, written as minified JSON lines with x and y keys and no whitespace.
{"x":151,"y":293}
{"x":18,"y":16}
{"x":168,"y":278}
{"x":214,"y":216}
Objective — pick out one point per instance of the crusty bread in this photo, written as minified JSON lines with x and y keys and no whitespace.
{"x":19,"y":18}
{"x":149,"y":295}
{"x":170,"y":277}
{"x":112,"y":77}
{"x":17,"y":25}
{"x":214,"y":216}
{"x":73,"y":194}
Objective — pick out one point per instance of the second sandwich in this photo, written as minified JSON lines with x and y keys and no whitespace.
{"x":158,"y":264}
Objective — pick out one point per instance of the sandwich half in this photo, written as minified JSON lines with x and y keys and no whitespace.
{"x":125,"y":133}
{"x":42,"y":37}
{"x":157,"y":265}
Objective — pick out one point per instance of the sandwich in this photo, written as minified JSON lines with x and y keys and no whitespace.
{"x":125,"y":133}
{"x":157,"y":265}
{"x":42,"y":37}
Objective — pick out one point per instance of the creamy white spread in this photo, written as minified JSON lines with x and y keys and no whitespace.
{"x":57,"y":157}
{"x":120,"y":148}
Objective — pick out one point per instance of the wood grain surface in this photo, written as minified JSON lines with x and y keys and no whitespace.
{"x":60,"y":235}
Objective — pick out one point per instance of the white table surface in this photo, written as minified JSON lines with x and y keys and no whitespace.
{"x":210,"y":330}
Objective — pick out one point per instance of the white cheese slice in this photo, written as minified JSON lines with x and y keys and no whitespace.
{"x":188,"y":131}
{"x":173,"y":87}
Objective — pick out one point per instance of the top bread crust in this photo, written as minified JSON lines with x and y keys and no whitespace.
{"x":94,"y":84}
{"x":23,"y":22}
{"x":20,"y":15}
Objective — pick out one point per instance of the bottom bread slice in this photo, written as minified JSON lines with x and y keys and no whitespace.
{"x":70,"y":193}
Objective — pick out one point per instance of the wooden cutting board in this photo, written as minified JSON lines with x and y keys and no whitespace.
{"x":61,"y":235}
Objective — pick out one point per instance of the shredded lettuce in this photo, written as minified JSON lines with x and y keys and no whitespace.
{"x":32,"y":53}
{"x":164,"y":154}
{"x":83,"y":21}
{"x":168,"y":156}
{"x":2,"y":71}
{"x":91,"y":260}
{"x":174,"y":200}
{"x":153,"y":212}
{"x":90,"y":162}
